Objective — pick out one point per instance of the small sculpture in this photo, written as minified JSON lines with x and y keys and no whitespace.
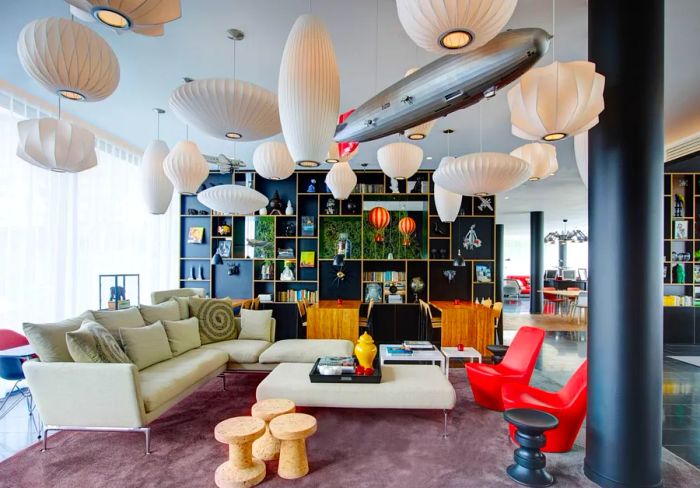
{"x":443,"y":253}
{"x":450,"y":275}
{"x":433,"y":253}
{"x":394,"y":187}
{"x":471,"y":240}
{"x":289,"y":210}
{"x":485,"y":204}
{"x":438,"y":229}
{"x":234,"y":269}
{"x":290,"y":229}
{"x":330,"y":206}
{"x":418,"y":184}
{"x":263,"y":211}
{"x":373,"y":291}
{"x":417,"y":285}
{"x":312,"y":186}
{"x":266,"y":271}
{"x":678,"y":205}
{"x":224,"y":230}
{"x":351,"y":206}
{"x":287,"y":273}
{"x":192,"y":276}
{"x":275,"y":204}
{"x":201,"y":272}
{"x":679,"y":273}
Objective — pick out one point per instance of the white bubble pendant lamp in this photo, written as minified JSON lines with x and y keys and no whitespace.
{"x":556,"y":101}
{"x":272,"y":160}
{"x":400,"y":160}
{"x":341,"y":179}
{"x":56,"y":145}
{"x":156,"y":188}
{"x":482,"y":174}
{"x":68,"y":58}
{"x":308,"y":91}
{"x":581,"y":155}
{"x":447,"y":203}
{"x":542,"y":157}
{"x":232,"y":199}
{"x":453,"y":26}
{"x":186,"y":168}
{"x":144,"y":17}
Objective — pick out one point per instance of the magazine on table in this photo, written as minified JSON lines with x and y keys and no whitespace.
{"x":418,"y":345}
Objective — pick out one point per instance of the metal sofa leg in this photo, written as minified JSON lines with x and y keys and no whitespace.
{"x":45,"y":437}
{"x":444,"y":432}
{"x":147,"y":432}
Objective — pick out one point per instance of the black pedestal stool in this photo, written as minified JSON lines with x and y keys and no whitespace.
{"x":529,"y":468}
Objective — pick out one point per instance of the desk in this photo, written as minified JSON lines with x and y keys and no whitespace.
{"x":329,"y":320}
{"x":468,"y":323}
{"x":20,"y":352}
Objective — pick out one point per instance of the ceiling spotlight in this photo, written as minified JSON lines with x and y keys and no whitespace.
{"x":71,"y":95}
{"x":506,"y":198}
{"x":554,"y":136}
{"x":111,"y":17}
{"x":455,"y":39}
{"x":429,"y":158}
{"x":233,"y":135}
{"x":332,"y":160}
{"x":307,"y":163}
{"x":490,"y":92}
{"x":416,"y":137}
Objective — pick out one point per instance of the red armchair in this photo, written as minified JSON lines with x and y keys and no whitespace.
{"x":523,"y":281}
{"x":517,"y":366}
{"x":568,"y":405}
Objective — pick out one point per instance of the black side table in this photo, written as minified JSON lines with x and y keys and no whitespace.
{"x":529,"y":468}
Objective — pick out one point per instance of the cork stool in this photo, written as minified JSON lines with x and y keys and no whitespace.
{"x":267,"y":448}
{"x":293,"y":429}
{"x":241,"y":470}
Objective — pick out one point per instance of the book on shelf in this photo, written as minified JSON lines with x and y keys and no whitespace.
{"x":385,"y":276}
{"x":418,"y":345}
{"x":369,"y":188}
{"x":308,"y":228}
{"x":296,"y":296}
{"x":308,"y":259}
{"x":394,"y":299}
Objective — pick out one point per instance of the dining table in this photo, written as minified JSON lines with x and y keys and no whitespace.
{"x":563,"y":293}
{"x":468,"y":323}
{"x":333,"y":319}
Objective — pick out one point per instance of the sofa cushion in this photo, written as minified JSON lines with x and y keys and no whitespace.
{"x":49,"y":340}
{"x":169,"y":310}
{"x":240,"y":351}
{"x":256,"y":324}
{"x":305,"y":350}
{"x":92,"y":343}
{"x":183,"y":335}
{"x":146,"y":345}
{"x":183,"y":304}
{"x":216,"y":320}
{"x":165,"y":295}
{"x":113,"y":320}
{"x":165,"y":381}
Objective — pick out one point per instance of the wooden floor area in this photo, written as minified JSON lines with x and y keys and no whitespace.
{"x":548,"y":322}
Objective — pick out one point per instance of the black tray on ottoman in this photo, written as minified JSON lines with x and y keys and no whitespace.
{"x":375,"y":377}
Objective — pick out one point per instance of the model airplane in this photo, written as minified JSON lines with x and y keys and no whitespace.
{"x":447,"y":84}
{"x":259,"y":244}
{"x":226,"y":165}
{"x":485,"y":204}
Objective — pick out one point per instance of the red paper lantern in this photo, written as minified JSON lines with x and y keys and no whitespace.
{"x":407,"y":226}
{"x":379,"y":218}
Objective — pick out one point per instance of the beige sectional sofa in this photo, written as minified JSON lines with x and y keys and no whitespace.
{"x":119,"y":397}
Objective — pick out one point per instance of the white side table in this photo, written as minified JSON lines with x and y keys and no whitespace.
{"x":433,"y":355}
{"x":452,"y":353}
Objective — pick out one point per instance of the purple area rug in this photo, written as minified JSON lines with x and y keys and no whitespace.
{"x":352,"y":448}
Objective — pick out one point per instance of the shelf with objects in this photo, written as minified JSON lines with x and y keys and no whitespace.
{"x":385,"y":241}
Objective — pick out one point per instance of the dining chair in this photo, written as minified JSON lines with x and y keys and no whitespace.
{"x":581,"y":306}
{"x":366,"y":320}
{"x":497,"y":326}
{"x":11,"y":370}
{"x":552,"y":299}
{"x":487,"y":302}
{"x":301,"y":306}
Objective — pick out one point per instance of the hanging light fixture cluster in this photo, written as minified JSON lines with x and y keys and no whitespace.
{"x":573,"y":236}
{"x":157,"y":189}
{"x":542,"y":159}
{"x":144,"y":17}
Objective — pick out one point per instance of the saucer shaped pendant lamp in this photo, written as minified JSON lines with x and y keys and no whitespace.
{"x":556,"y":101}
{"x":69,"y":59}
{"x":227,"y":109}
{"x":232,"y":199}
{"x":581,"y":154}
{"x":399,"y":160}
{"x":156,"y":187}
{"x":542,"y":157}
{"x":420,"y":131}
{"x":56,"y":145}
{"x":272,"y":160}
{"x":447,"y":203}
{"x":453,"y":26}
{"x":186,"y":168}
{"x":341,"y":179}
{"x":308,"y":91}
{"x":482,"y":174}
{"x":141,"y":16}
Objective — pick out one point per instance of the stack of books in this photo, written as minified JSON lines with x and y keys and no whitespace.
{"x":296,"y":296}
{"x":345,"y":364}
{"x":418,"y":345}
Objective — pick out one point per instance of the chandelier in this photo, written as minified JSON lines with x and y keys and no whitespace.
{"x":573,"y":236}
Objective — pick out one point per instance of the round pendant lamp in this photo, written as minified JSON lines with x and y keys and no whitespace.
{"x":556,"y":101}
{"x":400,"y":160}
{"x":309,"y":91}
{"x":56,"y":145}
{"x":232,"y":199}
{"x":581,"y":155}
{"x":334,"y":155}
{"x":272,"y":160}
{"x":453,"y":26}
{"x":227,"y":109}
{"x":69,"y":59}
{"x":482,"y":174}
{"x":157,"y":188}
{"x":542,"y":157}
{"x":341,"y":179}
{"x":143,"y":16}
{"x":186,"y":168}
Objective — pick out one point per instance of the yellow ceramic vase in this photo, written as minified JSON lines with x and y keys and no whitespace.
{"x":365,"y":350}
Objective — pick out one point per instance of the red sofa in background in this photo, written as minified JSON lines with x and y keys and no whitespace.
{"x":523,"y":281}
{"x":568,"y":405}
{"x":517,"y":366}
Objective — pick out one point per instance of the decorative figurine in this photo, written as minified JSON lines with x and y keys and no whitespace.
{"x":433,"y":253}
{"x":443,"y":253}
{"x":449,"y":274}
{"x":390,"y":256}
{"x":438,"y":229}
{"x":289,"y":210}
{"x":201,"y":272}
{"x":373,"y":291}
{"x":234,"y":269}
{"x":678,"y":205}
{"x":117,"y":293}
{"x":224,"y":230}
{"x":679,"y":273}
{"x":330,"y":206}
{"x":266,"y":271}
{"x":312,"y":186}
{"x":275,"y":204}
{"x":290,"y":229}
{"x":418,"y":184}
{"x":471,"y":240}
{"x":344,"y":246}
{"x":351,"y":206}
{"x":192,"y":211}
{"x":417,"y":285}
{"x":263,"y":211}
{"x":485,"y":204}
{"x":192,"y":276}
{"x":394,"y":187}
{"x":287,"y":273}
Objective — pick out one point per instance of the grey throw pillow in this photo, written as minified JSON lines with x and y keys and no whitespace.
{"x":216,"y":319}
{"x":49,"y":340}
{"x":169,"y":310}
{"x":92,"y":343}
{"x":256,"y":324}
{"x":146,"y":345}
{"x":183,"y":335}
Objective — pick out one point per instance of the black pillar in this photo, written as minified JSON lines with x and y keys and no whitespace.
{"x":562,"y":254}
{"x":536,"y":261}
{"x":500,"y":235}
{"x":625,"y":199}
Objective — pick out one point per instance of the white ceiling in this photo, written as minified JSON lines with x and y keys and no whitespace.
{"x":196,"y":46}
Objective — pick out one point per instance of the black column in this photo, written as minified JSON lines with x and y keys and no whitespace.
{"x":536,"y":261}
{"x":498,"y":276}
{"x":625,"y":199}
{"x":562,"y":254}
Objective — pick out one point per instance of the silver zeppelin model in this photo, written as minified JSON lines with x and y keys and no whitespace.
{"x":447,"y":84}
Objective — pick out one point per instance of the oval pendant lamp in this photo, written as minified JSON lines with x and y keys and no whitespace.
{"x":144,"y":17}
{"x":341,"y":179}
{"x":447,"y":203}
{"x":308,"y":91}
{"x":186,"y":168}
{"x":156,"y":187}
{"x":482,"y":174}
{"x":69,"y":59}
{"x":400,"y":160}
{"x":542,"y":157}
{"x":272,"y":160}
{"x":232,"y":199}
{"x":453,"y":26}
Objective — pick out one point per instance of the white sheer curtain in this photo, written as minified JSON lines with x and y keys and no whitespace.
{"x":58,"y":232}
